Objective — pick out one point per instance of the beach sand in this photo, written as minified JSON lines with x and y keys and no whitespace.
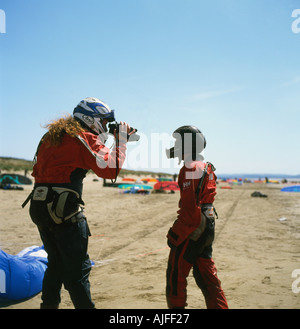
{"x":255,"y":252}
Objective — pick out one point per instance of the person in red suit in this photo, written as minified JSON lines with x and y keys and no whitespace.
{"x":191,"y":236}
{"x":72,"y":146}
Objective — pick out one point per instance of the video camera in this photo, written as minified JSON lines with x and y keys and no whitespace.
{"x":131,"y":138}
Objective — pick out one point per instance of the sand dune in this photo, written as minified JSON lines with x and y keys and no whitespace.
{"x":255,"y":253}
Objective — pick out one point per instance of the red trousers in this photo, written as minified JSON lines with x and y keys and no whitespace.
{"x":204,"y":272}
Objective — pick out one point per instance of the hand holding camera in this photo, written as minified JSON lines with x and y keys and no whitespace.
{"x":123,"y":132}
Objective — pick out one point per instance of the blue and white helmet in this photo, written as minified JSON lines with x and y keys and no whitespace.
{"x":91,"y":111}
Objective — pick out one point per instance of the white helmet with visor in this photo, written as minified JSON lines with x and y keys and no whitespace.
{"x":91,"y":112}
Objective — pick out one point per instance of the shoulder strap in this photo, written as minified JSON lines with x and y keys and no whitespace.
{"x":200,"y":183}
{"x":202,"y":180}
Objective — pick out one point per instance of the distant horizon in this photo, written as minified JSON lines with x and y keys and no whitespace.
{"x":219,"y":175}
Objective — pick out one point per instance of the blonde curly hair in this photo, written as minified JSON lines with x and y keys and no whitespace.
{"x":58,"y":128}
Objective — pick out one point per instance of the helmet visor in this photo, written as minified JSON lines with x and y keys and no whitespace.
{"x":109,"y":116}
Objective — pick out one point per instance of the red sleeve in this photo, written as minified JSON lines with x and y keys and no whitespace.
{"x":97,"y":157}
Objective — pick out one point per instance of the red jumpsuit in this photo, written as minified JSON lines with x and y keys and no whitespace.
{"x":66,"y":243}
{"x":186,"y":254}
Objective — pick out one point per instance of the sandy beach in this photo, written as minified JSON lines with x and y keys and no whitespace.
{"x":256,"y":247}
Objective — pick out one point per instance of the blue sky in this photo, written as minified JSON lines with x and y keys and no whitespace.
{"x":230,"y":67}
